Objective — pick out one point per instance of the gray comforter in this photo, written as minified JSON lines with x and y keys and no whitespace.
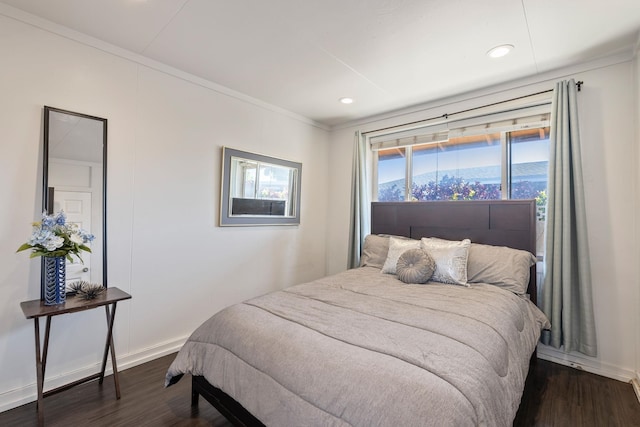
{"x":362,"y":348}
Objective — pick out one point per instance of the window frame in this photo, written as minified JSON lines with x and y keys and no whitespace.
{"x":458,"y":126}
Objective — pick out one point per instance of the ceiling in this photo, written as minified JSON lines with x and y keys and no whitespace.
{"x":303,"y":55}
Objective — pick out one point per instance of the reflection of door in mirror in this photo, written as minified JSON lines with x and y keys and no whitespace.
{"x":77,"y":206}
{"x":75,"y":147}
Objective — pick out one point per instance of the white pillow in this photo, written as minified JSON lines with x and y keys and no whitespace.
{"x":396,"y":248}
{"x":375,"y":249}
{"x":450,"y":257}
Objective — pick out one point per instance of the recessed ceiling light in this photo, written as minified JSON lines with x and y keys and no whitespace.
{"x":500,"y":51}
{"x":346,"y":100}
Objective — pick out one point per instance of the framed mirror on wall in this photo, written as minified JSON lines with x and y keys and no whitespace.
{"x":259,"y":190}
{"x":75,"y":181}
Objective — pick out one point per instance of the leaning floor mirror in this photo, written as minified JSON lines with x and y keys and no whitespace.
{"x":74,"y":181}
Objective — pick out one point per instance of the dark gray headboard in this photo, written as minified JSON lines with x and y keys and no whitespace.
{"x":493,"y":222}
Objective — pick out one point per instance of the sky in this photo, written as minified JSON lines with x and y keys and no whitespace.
{"x":462,"y":158}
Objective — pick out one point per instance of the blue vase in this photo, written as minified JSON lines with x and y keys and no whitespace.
{"x":54,"y":280}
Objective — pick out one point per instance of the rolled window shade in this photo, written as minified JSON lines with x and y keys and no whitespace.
{"x":502,"y":122}
{"x":528,"y":112}
{"x":424,"y":135}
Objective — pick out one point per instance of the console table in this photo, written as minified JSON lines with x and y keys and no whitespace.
{"x":35,"y":309}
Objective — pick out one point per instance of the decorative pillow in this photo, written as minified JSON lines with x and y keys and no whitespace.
{"x":375,"y":249}
{"x":396,"y":247}
{"x":415,"y":266}
{"x":450,"y":257}
{"x":501,"y":266}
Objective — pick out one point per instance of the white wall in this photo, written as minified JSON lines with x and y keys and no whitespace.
{"x":165,"y":133}
{"x":607,"y":113}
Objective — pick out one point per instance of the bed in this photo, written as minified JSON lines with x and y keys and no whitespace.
{"x":364,"y":348}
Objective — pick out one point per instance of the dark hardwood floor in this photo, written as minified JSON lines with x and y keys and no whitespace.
{"x":555,"y":395}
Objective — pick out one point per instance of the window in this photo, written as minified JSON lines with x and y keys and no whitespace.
{"x":460,"y":169}
{"x":529,"y":163}
{"x":392,"y":173}
{"x":476,"y":159}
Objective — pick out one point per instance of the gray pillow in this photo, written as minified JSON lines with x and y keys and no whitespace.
{"x":501,"y":266}
{"x":415,"y":266}
{"x":374,"y":251}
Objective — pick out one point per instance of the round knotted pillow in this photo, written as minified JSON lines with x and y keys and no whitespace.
{"x":415,"y":266}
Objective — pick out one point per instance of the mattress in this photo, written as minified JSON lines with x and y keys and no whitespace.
{"x":361,"y":348}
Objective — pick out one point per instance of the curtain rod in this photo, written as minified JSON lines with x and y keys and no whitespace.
{"x":447,"y":115}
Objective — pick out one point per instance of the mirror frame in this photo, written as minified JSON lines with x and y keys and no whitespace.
{"x":47,"y":201}
{"x":226,"y":219}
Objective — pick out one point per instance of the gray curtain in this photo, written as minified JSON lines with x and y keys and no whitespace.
{"x":360,"y":206}
{"x":566,"y":291}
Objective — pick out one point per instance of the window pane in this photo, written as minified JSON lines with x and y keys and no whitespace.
{"x":465,"y":168}
{"x":274,"y":182}
{"x":391,"y":174}
{"x":529,"y":164}
{"x":249,"y":180}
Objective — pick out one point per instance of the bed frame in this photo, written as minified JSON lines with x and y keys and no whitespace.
{"x":493,"y":222}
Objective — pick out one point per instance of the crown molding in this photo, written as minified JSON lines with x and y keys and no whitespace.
{"x":65,"y":32}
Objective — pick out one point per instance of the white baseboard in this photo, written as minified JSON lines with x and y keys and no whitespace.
{"x":585,"y":363}
{"x":636,"y":385}
{"x":28,"y":393}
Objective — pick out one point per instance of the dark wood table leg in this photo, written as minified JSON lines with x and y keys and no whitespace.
{"x":45,"y":349}
{"x":109,"y":344}
{"x":39,"y":374}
